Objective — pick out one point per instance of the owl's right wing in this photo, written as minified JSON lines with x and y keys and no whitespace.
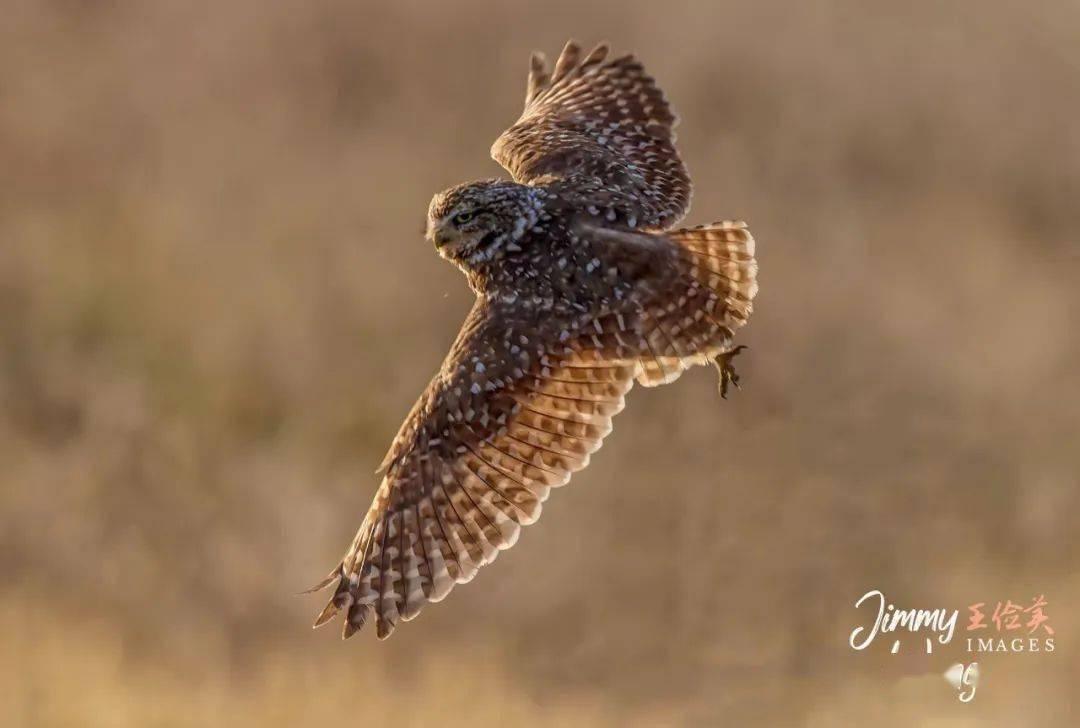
{"x":518,"y":406}
{"x":599,"y":129}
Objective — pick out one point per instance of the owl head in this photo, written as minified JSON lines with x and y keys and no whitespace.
{"x":476,"y":222}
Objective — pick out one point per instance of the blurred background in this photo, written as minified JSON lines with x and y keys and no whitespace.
{"x":216,"y":307}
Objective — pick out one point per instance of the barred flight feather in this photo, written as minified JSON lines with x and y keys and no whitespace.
{"x":599,"y":126}
{"x":697,"y":321}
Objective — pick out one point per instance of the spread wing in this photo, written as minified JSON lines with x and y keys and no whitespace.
{"x":519,"y":405}
{"x":601,"y":129}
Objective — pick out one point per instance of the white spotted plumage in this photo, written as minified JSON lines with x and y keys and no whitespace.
{"x":582,"y":289}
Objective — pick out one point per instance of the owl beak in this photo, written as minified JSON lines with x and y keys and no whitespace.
{"x":443,"y":236}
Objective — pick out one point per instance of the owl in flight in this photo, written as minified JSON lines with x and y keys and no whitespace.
{"x":582,"y":288}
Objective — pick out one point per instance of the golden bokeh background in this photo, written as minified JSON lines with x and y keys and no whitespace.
{"x":216,"y":306}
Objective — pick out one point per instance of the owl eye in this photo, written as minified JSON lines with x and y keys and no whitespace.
{"x":463,"y":217}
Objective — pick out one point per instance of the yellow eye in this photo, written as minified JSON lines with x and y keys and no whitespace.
{"x":462,"y":217}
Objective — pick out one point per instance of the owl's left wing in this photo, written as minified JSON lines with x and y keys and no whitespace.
{"x":519,"y":405}
{"x":603,"y":130}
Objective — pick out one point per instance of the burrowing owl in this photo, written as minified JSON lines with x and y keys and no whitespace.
{"x":582,"y":287}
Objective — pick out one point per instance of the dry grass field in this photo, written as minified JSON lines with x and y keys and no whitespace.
{"x":216,"y":306}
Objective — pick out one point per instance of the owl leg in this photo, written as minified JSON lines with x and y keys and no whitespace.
{"x":726,"y":368}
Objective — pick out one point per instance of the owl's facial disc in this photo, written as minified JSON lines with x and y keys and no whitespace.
{"x":461,"y":234}
{"x":477,"y":222}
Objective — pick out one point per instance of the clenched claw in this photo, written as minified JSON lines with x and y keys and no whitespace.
{"x":726,"y":369}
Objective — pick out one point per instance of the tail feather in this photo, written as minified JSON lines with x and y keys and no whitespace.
{"x":697,"y":322}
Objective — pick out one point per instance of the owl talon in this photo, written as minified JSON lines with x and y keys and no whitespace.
{"x":726,"y":369}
